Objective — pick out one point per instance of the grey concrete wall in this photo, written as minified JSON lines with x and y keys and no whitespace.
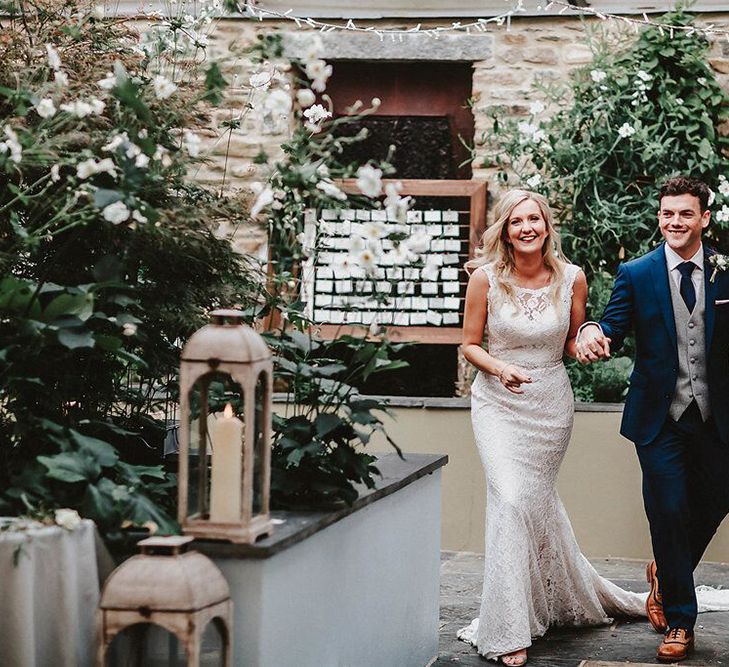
{"x":363,"y":591}
{"x":599,"y":482}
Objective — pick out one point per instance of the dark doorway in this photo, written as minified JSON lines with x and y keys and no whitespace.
{"x":424,"y":112}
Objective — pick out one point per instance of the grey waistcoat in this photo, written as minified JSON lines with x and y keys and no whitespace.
{"x":692,"y":383}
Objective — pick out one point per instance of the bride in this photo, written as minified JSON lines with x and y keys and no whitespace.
{"x":531,"y":301}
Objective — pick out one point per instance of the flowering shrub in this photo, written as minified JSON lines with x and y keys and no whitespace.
{"x":107,"y":252}
{"x":647,"y":108}
{"x":317,"y":453}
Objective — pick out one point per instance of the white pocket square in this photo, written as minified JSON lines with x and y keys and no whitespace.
{"x":721,"y":302}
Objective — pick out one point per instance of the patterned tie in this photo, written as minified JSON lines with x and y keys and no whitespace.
{"x":687,"y":285}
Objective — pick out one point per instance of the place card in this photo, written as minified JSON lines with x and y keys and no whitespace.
{"x":432,"y":216}
{"x":451,"y":303}
{"x":450,"y":318}
{"x":432,"y":317}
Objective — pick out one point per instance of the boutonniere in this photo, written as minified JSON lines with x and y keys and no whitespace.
{"x":720,"y":263}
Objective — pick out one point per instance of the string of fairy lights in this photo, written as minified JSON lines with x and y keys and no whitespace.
{"x":545,"y":7}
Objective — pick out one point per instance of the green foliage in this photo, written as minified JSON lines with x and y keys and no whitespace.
{"x":107,"y":260}
{"x":315,"y":454}
{"x":648,"y":108}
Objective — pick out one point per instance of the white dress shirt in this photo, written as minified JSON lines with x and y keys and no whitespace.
{"x":673,"y":259}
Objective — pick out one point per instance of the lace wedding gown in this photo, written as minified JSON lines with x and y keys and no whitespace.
{"x":535,"y":575}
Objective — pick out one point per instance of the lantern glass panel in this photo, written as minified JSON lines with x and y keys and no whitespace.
{"x":153,"y":646}
{"x":216,"y":470}
{"x":260,"y":444}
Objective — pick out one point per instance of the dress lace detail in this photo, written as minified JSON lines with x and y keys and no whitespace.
{"x":535,"y":575}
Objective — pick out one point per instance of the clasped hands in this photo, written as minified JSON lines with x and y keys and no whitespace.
{"x":592,"y":345}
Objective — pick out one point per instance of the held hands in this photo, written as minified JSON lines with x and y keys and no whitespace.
{"x":592,"y":345}
{"x":512,"y":377}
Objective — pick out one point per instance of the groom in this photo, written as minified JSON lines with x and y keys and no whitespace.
{"x":677,"y":408}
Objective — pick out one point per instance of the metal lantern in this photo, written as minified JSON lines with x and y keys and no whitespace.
{"x":165,"y":587}
{"x":225,"y":416}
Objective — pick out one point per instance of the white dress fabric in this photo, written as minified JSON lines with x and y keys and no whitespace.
{"x":535,"y":575}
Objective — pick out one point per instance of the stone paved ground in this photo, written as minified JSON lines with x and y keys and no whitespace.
{"x":625,"y":641}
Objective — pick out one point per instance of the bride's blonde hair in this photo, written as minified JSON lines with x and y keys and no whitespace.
{"x":497,"y":251}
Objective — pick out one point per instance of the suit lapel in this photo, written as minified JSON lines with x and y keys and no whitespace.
{"x":710,"y":294}
{"x":659,"y":280}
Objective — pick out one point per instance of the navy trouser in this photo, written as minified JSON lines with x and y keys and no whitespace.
{"x":686,"y":496}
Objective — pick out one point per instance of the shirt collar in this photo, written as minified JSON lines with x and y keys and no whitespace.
{"x":673,"y":259}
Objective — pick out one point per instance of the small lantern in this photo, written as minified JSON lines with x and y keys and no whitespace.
{"x":225,"y":414}
{"x":179,"y":592}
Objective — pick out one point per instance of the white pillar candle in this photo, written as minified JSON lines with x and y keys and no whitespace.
{"x":226,"y":437}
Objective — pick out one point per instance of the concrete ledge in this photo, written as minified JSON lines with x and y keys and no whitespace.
{"x":396,"y":474}
{"x":439,"y":402}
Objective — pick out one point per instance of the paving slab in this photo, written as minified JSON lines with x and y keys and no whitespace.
{"x":626,"y":641}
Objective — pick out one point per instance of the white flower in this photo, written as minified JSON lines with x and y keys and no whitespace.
{"x":373,"y":229}
{"x":419,"y":242}
{"x":163,"y":87}
{"x":723,"y":186}
{"x":264,"y":198}
{"x":430,"y":271}
{"x":61,"y":78}
{"x":54,"y":60}
{"x":46,"y":108}
{"x":12,"y":144}
{"x":116,"y":212}
{"x":402,"y":253}
{"x":136,"y":215}
{"x":191,"y":143}
{"x":527,"y":129}
{"x":163,"y":155}
{"x":86,"y":168}
{"x":97,"y":106}
{"x":315,"y":115}
{"x":539,"y":136}
{"x":723,"y":215}
{"x":367,"y":260}
{"x":318,"y":72}
{"x":534,"y":181}
{"x":395,"y":205}
{"x":712,"y":197}
{"x":55,"y":173}
{"x":331,"y":190}
{"x":536,"y":107}
{"x":701,"y":81}
{"x":107,"y":83}
{"x":598,"y":75}
{"x":643,"y":76}
{"x":107,"y":165}
{"x":626,"y":130}
{"x":261,"y":80}
{"x":82,"y":109}
{"x":305,"y":97}
{"x":278,"y":103}
{"x":141,"y":161}
{"x":98,"y":12}
{"x":314,"y":49}
{"x":66,"y":518}
{"x":356,"y":245}
{"x":129,"y":329}
{"x":369,"y":181}
{"x":376,"y":102}
{"x":116,"y":141}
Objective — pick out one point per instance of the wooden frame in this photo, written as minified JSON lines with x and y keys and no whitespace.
{"x":477,"y":193}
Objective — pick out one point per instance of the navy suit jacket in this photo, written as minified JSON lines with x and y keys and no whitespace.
{"x":641,"y":302}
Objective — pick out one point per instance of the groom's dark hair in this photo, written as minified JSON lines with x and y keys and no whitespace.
{"x":683,"y":185}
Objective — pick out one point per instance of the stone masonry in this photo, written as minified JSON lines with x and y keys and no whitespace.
{"x":506,"y":64}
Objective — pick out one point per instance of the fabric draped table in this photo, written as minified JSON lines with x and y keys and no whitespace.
{"x":49,"y":593}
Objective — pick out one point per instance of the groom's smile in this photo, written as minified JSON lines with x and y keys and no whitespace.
{"x":682,"y":221}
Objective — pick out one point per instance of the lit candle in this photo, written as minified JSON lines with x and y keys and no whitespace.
{"x":225,"y":485}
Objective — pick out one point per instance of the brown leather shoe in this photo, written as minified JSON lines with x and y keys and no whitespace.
{"x":654,"y":603}
{"x":676,"y":645}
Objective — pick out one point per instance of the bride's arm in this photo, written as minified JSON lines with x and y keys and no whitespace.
{"x":577,"y":313}
{"x":474,"y":323}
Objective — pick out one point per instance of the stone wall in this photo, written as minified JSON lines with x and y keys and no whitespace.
{"x":507,"y":64}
